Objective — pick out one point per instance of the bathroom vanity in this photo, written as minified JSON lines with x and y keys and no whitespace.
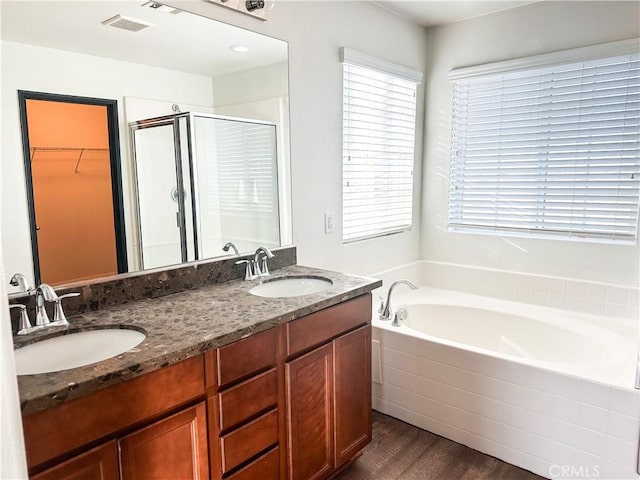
{"x":225,"y":385}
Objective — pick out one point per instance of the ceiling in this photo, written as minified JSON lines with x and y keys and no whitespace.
{"x":183,"y":41}
{"x":429,"y":13}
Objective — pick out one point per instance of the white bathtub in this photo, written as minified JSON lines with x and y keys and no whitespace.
{"x":548,"y":390}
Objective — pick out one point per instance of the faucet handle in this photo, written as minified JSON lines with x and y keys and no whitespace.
{"x":24,"y":325}
{"x":381,"y":307}
{"x":248,"y":272}
{"x":59,"y":318}
{"x":264,"y":267}
{"x":400,"y":316}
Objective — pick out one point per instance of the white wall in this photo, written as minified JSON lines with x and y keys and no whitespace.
{"x":315,"y":32}
{"x":13,"y":462}
{"x":27,"y":67}
{"x":529,"y":30}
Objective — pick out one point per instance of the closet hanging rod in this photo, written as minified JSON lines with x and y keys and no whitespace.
{"x":67,"y":149}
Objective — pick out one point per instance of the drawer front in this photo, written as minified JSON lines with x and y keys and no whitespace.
{"x":248,"y":399}
{"x":249,"y":440}
{"x":322,"y":326}
{"x":266,"y":467}
{"x":247,"y":356}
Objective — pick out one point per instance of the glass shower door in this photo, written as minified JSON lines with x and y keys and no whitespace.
{"x":161,"y":239}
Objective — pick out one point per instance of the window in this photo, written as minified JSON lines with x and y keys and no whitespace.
{"x":550,"y":150}
{"x":378,"y":138}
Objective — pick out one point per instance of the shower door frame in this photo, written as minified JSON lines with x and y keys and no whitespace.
{"x":174,"y":122}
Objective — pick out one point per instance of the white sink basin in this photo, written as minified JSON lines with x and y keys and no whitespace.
{"x":75,"y":350}
{"x":291,"y":287}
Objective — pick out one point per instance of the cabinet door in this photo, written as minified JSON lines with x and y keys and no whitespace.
{"x":352,"y":383}
{"x":175,"y":448}
{"x":309,"y":381}
{"x":101,"y":463}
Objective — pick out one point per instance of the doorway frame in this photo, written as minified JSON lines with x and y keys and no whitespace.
{"x":114,"y":161}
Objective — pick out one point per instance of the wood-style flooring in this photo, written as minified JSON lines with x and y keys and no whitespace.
{"x":404,"y":452}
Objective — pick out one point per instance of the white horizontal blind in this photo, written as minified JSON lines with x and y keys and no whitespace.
{"x":549,"y":151}
{"x":378,"y":137}
{"x":246,"y":177}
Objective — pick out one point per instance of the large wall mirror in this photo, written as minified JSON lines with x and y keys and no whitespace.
{"x":137,"y":136}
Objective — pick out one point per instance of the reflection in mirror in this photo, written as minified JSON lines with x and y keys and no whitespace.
{"x":214,"y":177}
{"x":194,"y":184}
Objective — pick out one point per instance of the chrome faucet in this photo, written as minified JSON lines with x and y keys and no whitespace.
{"x":385,"y":308}
{"x":231,"y":245}
{"x":262,"y":270}
{"x":253,"y":269}
{"x":44,"y":293}
{"x":20,"y":281}
{"x":24,"y":324}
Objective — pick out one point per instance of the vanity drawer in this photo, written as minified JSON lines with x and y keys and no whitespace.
{"x":245,"y":357}
{"x":266,"y":467}
{"x":322,"y":326}
{"x":248,"y":399}
{"x":249,"y":440}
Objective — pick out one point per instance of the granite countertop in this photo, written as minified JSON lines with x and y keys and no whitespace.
{"x":179,"y":326}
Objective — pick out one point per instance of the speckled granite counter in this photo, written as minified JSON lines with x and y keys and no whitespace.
{"x":178,"y":327}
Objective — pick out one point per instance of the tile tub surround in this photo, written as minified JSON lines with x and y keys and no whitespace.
{"x":129,"y":287}
{"x":533,"y":418}
{"x":597,"y":298}
{"x":178,"y":327}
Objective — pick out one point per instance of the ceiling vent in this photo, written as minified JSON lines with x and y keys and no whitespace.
{"x":127,"y":23}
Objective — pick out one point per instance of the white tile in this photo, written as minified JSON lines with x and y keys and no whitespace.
{"x":594,"y":418}
{"x":596,"y":291}
{"x":619,"y":451}
{"x":557,"y":300}
{"x":489,"y":408}
{"x":540,"y":284}
{"x":491,"y":430}
{"x":616,"y":295}
{"x":589,"y":462}
{"x":564,"y":432}
{"x":541,"y":379}
{"x":591,"y":441}
{"x":623,"y":427}
{"x":577,"y":304}
{"x":576,"y":289}
{"x":595,"y":306}
{"x":536,"y":465}
{"x":595,"y":394}
{"x":633,"y":298}
{"x":615,"y":310}
{"x":558,"y":286}
{"x":567,"y":387}
{"x":615,"y":471}
{"x":566,"y":409}
{"x":624,"y":401}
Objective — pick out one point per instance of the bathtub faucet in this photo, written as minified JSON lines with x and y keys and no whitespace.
{"x":385,"y":312}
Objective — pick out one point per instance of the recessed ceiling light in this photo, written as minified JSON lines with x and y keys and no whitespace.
{"x":239,"y":48}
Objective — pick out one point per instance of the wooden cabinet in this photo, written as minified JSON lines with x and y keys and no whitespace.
{"x":329,"y":394}
{"x":289,"y":403}
{"x":100,"y":463}
{"x":352,"y":391}
{"x":175,"y":447}
{"x":244,"y":423}
{"x":309,"y":381}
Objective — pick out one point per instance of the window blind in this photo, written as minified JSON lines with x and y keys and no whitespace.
{"x":378,"y":137}
{"x":246,"y":177}
{"x":550,"y":151}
